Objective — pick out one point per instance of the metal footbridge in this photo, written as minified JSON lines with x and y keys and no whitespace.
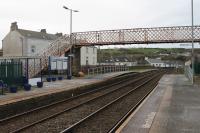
{"x":177,"y":34}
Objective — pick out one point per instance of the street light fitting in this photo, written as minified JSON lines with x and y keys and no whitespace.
{"x":70,"y":9}
{"x":75,"y":10}
{"x":65,"y":7}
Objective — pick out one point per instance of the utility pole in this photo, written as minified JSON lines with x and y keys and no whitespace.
{"x":193,"y":71}
{"x":69,"y":75}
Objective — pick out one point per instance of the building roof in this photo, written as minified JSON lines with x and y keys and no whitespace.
{"x":155,"y":61}
{"x":174,"y":62}
{"x":38,"y":35}
{"x":115,"y":59}
{"x":121,"y":59}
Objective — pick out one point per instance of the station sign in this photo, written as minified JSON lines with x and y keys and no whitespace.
{"x":58,"y":63}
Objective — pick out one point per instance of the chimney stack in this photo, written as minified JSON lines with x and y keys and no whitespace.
{"x":43,"y":31}
{"x":13,"y":26}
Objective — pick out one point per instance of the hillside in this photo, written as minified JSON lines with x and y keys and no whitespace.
{"x":138,"y":53}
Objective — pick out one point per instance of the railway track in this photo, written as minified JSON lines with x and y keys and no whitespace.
{"x":112,"y":113}
{"x":58,"y":116}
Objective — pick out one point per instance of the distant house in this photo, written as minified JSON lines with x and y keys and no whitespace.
{"x":118,"y":61}
{"x":175,"y":64}
{"x":21,"y":42}
{"x":164,"y":54}
{"x":187,"y":54}
{"x":155,"y":62}
{"x":159,"y":63}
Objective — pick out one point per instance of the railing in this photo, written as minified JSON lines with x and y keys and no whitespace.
{"x":177,"y":34}
{"x":188,"y":72}
{"x":56,"y":48}
{"x":106,"y":69}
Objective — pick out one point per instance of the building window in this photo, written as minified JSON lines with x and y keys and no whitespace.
{"x":93,"y":60}
{"x":87,"y":62}
{"x":87,"y":50}
{"x":33,"y":49}
{"x":21,"y":39}
{"x":94,"y":50}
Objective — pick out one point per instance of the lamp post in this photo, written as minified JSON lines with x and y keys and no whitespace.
{"x":70,"y":33}
{"x":192,"y":15}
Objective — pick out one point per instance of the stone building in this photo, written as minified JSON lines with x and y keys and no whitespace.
{"x":21,"y":42}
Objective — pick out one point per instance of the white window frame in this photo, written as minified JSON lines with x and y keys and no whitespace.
{"x":33,"y":49}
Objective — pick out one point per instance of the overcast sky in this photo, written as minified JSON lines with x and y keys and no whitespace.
{"x":95,"y":14}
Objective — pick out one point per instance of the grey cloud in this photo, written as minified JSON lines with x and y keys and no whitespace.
{"x":95,"y":14}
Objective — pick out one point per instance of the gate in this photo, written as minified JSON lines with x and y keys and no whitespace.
{"x":11,"y":73}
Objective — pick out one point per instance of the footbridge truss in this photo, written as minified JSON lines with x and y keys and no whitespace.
{"x":178,"y":34}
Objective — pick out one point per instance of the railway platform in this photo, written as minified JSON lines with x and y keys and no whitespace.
{"x":55,"y":87}
{"x":173,"y":107}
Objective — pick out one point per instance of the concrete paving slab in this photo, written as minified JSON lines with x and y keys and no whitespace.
{"x":173,"y":107}
{"x":180,"y":108}
{"x":140,"y":121}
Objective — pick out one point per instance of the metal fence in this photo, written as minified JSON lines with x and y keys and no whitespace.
{"x":18,"y":70}
{"x":106,"y":69}
{"x":188,"y":72}
{"x":11,"y":72}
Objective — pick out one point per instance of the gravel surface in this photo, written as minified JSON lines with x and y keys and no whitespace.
{"x":106,"y":119}
{"x":37,"y":115}
{"x":68,"y":118}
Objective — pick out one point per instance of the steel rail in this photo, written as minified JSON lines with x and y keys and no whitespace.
{"x":70,"y":129}
{"x":62,"y":101}
{"x":76,"y":106}
{"x":123,"y":118}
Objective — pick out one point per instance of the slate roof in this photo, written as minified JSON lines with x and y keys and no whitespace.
{"x":174,"y":62}
{"x":116,"y":59}
{"x":121,"y":59}
{"x":155,"y":61}
{"x":36,"y":34}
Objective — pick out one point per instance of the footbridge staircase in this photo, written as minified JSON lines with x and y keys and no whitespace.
{"x":56,"y":48}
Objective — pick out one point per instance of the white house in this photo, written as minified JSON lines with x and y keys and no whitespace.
{"x":155,"y":62}
{"x":160,"y":63}
{"x":117,"y":61}
{"x":88,"y":56}
{"x":21,"y":42}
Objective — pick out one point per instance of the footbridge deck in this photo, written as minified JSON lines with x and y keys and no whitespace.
{"x":178,"y":34}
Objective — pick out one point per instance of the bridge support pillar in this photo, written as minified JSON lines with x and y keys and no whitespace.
{"x":76,"y":66}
